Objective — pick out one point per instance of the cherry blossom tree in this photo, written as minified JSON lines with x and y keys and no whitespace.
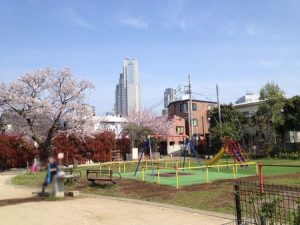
{"x":48,"y":102}
{"x":143,"y":123}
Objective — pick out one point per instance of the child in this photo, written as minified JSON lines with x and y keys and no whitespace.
{"x":52,"y":169}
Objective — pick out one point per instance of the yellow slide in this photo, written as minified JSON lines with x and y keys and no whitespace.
{"x":216,"y":157}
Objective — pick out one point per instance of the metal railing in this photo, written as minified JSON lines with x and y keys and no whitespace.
{"x":276,"y":204}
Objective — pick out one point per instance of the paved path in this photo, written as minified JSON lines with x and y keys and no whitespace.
{"x":94,"y":210}
{"x":8,"y":191}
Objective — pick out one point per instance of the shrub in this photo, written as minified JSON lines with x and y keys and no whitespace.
{"x":123,"y":144}
{"x":15,"y":151}
{"x":72,"y":146}
{"x":100,"y":146}
{"x":80,"y":149}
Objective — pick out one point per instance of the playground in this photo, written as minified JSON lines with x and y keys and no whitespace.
{"x":183,"y":171}
{"x":170,"y":172}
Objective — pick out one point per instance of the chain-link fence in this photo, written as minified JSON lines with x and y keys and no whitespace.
{"x":267,"y":205}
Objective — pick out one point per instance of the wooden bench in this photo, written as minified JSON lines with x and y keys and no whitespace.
{"x":102,"y":175}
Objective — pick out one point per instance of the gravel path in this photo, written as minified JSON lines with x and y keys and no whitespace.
{"x":92,"y":210}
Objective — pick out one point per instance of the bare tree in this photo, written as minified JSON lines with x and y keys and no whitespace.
{"x":49,"y":101}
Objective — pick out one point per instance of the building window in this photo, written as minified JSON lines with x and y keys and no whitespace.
{"x":183,"y":107}
{"x":195,"y":122}
{"x":194,"y":107}
{"x":179,"y":129}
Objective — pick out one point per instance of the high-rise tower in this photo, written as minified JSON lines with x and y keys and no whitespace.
{"x":127,"y":94}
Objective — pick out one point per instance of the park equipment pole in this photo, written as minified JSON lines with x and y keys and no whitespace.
{"x":184,"y":151}
{"x":177,"y":179}
{"x":191,"y":146}
{"x":143,"y":172}
{"x":207,"y":180}
{"x":142,"y":153}
{"x":151,"y":157}
{"x":158,"y":177}
{"x":261,"y":178}
{"x":237,"y":199}
{"x":233,"y":171}
{"x":256,"y":167}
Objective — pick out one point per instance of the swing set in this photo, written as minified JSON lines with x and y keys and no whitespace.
{"x":147,"y":146}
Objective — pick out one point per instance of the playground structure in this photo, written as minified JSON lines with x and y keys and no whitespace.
{"x":181,"y":171}
{"x":171,"y":173}
{"x":147,"y":145}
{"x":232,"y":148}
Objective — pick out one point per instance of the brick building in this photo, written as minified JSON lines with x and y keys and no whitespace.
{"x":200,"y":115}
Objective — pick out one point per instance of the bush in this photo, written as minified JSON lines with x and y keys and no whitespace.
{"x":80,"y":149}
{"x":15,"y":152}
{"x":100,"y":146}
{"x":123,"y":144}
{"x":72,"y":146}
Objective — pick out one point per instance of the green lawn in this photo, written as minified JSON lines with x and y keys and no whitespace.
{"x":214,"y":196}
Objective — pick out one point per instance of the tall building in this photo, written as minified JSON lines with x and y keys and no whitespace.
{"x":169,"y":96}
{"x":127,"y":94}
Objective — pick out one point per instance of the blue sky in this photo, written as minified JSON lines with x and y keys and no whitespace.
{"x":240,"y":45}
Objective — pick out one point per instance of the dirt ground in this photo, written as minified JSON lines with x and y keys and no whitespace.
{"x":91,"y":210}
{"x":8,"y":191}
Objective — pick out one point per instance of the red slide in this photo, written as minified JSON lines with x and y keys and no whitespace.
{"x":236,"y":151}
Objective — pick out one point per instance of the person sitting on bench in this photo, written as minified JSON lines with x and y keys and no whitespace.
{"x":52,"y":169}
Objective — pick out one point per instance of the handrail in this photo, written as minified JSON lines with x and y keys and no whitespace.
{"x":216,"y":166}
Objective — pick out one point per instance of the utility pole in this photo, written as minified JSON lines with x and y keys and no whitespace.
{"x":219,"y":109}
{"x":191,"y":130}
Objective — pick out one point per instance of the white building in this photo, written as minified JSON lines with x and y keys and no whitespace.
{"x":248,"y":98}
{"x":127,"y":94}
{"x":109,"y":123}
{"x":248,"y":104}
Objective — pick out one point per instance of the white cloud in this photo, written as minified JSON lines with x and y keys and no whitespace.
{"x":77,"y":20}
{"x":175,"y":16}
{"x":137,"y":23}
